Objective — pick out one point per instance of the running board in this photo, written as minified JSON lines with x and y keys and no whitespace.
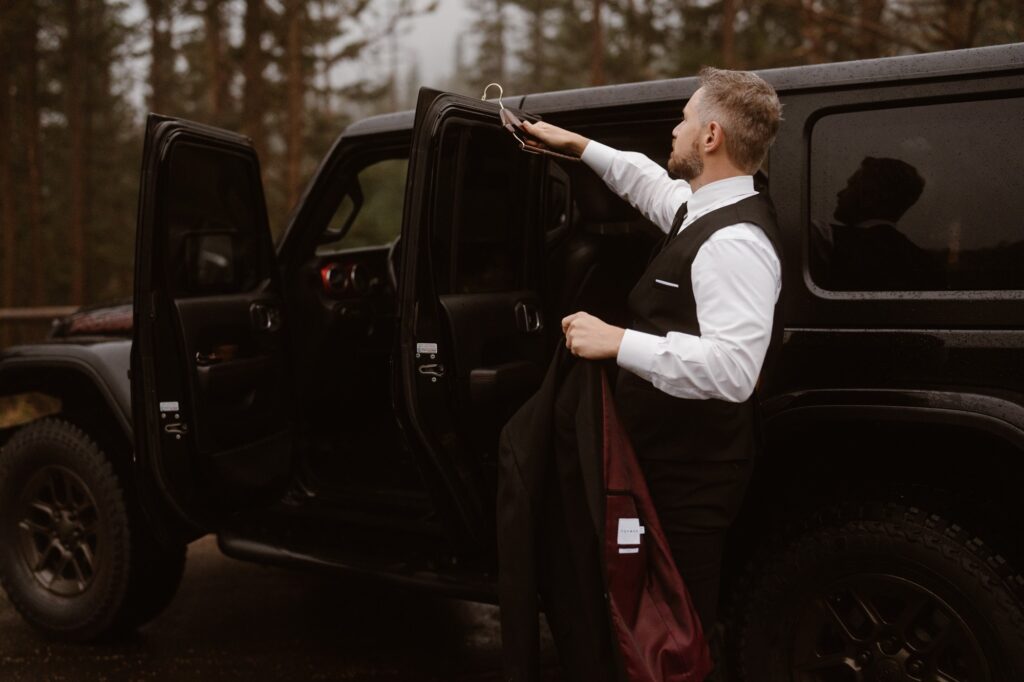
{"x":461,"y":585}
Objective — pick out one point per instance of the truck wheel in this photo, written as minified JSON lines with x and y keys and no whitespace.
{"x":881,"y":592}
{"x":67,"y":558}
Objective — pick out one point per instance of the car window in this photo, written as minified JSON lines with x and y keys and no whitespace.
{"x":379,"y":218}
{"x":918,"y":198}
{"x":215,"y":240}
{"x":483,"y":201}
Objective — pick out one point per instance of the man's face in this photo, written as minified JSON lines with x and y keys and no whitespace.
{"x":686,"y":161}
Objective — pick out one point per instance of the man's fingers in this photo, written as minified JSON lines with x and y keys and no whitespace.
{"x":567,"y":320}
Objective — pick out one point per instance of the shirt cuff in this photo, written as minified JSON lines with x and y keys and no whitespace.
{"x":637,"y":351}
{"x":598,"y":156}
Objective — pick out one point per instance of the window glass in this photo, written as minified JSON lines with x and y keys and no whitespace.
{"x":919,"y":198}
{"x":378,"y":220}
{"x":482,"y":203}
{"x":216,"y":235}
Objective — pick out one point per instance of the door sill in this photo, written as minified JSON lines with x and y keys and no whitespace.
{"x":420,"y":574}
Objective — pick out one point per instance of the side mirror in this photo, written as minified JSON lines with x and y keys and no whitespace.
{"x":343,"y":220}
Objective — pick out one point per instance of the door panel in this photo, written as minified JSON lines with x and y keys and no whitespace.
{"x":472,"y":340}
{"x":498,"y":352}
{"x":209,"y":359}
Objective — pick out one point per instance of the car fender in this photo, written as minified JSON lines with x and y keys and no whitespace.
{"x":1001,"y":415}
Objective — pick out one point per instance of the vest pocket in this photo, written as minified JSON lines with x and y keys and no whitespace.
{"x":666,"y":285}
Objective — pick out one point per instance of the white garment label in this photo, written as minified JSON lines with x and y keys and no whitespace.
{"x":630,"y":531}
{"x":169,"y":406}
{"x":629,"y":550}
{"x":426,"y":348}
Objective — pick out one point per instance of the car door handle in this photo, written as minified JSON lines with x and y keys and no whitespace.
{"x":265,"y":318}
{"x":528,"y":317}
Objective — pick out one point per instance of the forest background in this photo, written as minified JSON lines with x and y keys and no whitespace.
{"x":78,"y":76}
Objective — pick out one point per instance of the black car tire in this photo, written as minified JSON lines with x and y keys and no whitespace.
{"x":113,"y":575}
{"x":803,"y":614}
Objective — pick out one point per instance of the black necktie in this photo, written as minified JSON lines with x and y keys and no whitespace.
{"x":677,"y":223}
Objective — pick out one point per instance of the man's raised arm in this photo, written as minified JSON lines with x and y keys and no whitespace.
{"x":634,"y":177}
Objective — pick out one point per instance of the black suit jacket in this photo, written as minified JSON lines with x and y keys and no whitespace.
{"x":615,"y":612}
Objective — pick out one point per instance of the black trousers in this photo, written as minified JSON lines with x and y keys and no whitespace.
{"x":696,"y":502}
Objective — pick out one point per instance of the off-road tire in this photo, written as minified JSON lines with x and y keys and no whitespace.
{"x":133,"y":577}
{"x":865,"y":543}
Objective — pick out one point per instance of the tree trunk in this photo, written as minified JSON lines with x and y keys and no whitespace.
{"x":29,"y":91}
{"x":729,"y":33}
{"x":868,"y":43}
{"x":160,"y":66}
{"x":8,"y":221}
{"x":214,"y":40}
{"x":295,"y":92}
{"x":76,"y":165}
{"x":98,"y":79}
{"x":537,"y":44}
{"x":597,"y":46}
{"x":253,"y":63}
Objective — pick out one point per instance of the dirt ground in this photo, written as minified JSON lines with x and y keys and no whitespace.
{"x":233,"y":620}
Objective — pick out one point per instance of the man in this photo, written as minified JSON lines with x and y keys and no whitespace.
{"x":704,"y":313}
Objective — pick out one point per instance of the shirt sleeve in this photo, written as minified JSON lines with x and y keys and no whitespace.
{"x":736,"y":283}
{"x":640,"y":181}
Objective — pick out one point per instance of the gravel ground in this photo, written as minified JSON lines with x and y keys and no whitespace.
{"x":232,"y":620}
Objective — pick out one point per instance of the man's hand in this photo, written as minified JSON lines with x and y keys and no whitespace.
{"x":588,"y":337}
{"x":555,"y":138}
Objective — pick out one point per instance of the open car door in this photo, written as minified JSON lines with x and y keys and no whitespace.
{"x":473,"y":341}
{"x":210,"y":382}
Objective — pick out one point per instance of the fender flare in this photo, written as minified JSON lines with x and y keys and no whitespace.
{"x":41,"y":368}
{"x":993,"y":414}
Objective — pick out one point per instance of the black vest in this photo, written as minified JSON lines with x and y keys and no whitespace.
{"x":663,"y":426}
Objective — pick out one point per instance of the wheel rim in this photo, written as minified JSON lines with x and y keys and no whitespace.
{"x":58,"y":522}
{"x":882,"y":628}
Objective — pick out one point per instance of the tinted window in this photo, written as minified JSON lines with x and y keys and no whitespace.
{"x":216,"y":222}
{"x":919,"y":198}
{"x":482,"y":209}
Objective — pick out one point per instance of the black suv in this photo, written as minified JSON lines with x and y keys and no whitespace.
{"x":335,"y":400}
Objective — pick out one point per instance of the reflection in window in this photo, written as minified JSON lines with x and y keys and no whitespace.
{"x":924,"y":198}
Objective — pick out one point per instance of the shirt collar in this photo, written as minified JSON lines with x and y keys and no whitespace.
{"x":720,"y":190}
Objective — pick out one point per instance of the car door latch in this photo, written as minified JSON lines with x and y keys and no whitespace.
{"x":432,"y":370}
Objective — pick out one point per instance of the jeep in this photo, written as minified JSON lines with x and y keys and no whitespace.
{"x":334,"y":400}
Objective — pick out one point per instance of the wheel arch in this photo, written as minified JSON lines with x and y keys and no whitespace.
{"x":85,"y":398}
{"x":961,"y":454}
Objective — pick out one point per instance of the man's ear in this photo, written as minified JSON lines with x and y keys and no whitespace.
{"x":714,"y":137}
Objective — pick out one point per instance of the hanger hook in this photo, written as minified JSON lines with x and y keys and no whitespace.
{"x":501,"y":93}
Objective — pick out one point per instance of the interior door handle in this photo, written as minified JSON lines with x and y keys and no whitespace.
{"x":265,"y":318}
{"x":528,"y":317}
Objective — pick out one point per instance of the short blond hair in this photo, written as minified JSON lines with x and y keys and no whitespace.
{"x":747,"y":108}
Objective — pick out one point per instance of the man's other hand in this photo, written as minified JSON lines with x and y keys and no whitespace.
{"x":555,"y":138}
{"x":588,"y":337}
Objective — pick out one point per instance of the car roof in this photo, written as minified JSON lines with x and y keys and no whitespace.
{"x":790,"y":79}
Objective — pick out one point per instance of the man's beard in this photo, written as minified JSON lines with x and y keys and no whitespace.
{"x":689,"y":166}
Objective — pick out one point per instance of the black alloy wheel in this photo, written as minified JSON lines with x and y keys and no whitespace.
{"x":880,"y":592}
{"x":884,"y":627}
{"x":76,"y":558}
{"x":58,"y":523}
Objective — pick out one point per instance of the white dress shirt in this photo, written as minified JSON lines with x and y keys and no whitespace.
{"x":736,"y":277}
